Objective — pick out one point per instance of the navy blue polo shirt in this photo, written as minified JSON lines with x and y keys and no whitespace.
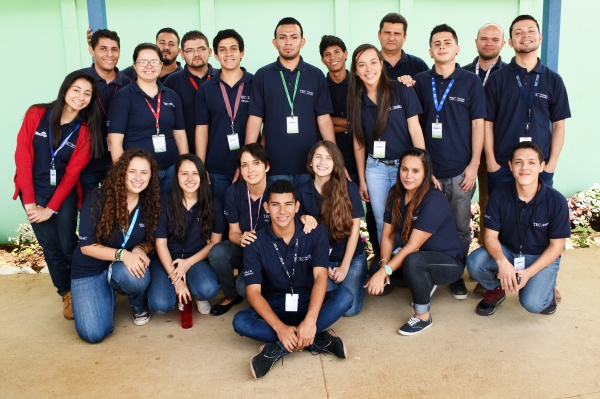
{"x":262,"y":265}
{"x":130,"y":73}
{"x":42,"y":160}
{"x":310,"y":204}
{"x":105,"y":93}
{"x":338,"y":92}
{"x":130,"y":115}
{"x":211,"y":110}
{"x":465,"y":102}
{"x":180,"y":83}
{"x":543,"y":218}
{"x":507,"y":108}
{"x":194,"y":241}
{"x":471,"y":67}
{"x":87,"y":266}
{"x":405,"y":104}
{"x":408,"y":65}
{"x":238,"y":210}
{"x":432,"y":216}
{"x":268,"y":100}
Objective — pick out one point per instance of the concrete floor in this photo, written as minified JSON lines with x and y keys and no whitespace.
{"x":512,"y":354}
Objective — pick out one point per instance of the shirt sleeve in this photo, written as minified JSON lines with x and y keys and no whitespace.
{"x":252,"y":264}
{"x":560,"y":225}
{"x":202,"y":112}
{"x":477,"y":109}
{"x":220,"y":225}
{"x":178,"y":111}
{"x":559,"y":107}
{"x":231,"y":211}
{"x":492,"y":212}
{"x":88,"y":222}
{"x":320,"y":244}
{"x":162,"y":227}
{"x":24,"y":155}
{"x":433,"y":211}
{"x":118,"y":113}
{"x":410,"y":102}
{"x":323,"y":103}
{"x":257,"y":100}
{"x":357,"y":206}
{"x":491,"y":104}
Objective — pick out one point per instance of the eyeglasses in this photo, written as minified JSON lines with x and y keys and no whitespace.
{"x":195,"y":50}
{"x":144,"y":63}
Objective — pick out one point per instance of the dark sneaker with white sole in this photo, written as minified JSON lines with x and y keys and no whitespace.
{"x":268,"y":355}
{"x":326,"y":342}
{"x":459,"y":289}
{"x":415,"y":326}
{"x":492,"y":299}
{"x":551,"y":308}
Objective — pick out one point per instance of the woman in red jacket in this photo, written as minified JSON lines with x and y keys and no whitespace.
{"x":54,"y":144}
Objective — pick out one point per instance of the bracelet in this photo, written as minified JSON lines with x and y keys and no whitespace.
{"x":382,"y":261}
{"x":119,"y":254}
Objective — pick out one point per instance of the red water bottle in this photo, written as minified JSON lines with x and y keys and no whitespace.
{"x":185,"y":312}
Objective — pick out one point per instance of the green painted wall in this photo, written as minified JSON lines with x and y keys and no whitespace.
{"x":45,"y":40}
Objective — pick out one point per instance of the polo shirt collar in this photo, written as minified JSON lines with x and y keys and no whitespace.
{"x":538,"y":198}
{"x":246,"y":77}
{"x":403,"y":59}
{"x":118,"y":80}
{"x":496,"y":65}
{"x":135,"y":88}
{"x":539,"y":68}
{"x":344,"y":82}
{"x":209,"y":72}
{"x":301,"y":65}
{"x":457,"y":74}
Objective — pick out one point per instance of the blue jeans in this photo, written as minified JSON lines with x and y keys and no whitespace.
{"x":298,"y":180}
{"x":201,"y":282}
{"x":94,"y":300}
{"x":248,"y":323}
{"x":537,"y":293}
{"x":58,"y":240}
{"x":504,"y":175}
{"x":90,"y":181}
{"x":224,"y":257}
{"x":460,"y":204}
{"x":380,"y":178}
{"x":218,"y":184}
{"x":354,"y":281}
{"x":165,"y":179}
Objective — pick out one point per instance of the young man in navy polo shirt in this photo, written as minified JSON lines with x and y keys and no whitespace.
{"x":392,"y":35}
{"x":221,"y":112}
{"x":185,"y":82}
{"x":105,"y":47}
{"x":285,"y":271}
{"x":523,"y":99}
{"x":453,"y":104}
{"x":291,"y":98}
{"x":527,"y":223}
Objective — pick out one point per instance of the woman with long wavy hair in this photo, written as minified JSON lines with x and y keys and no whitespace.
{"x":383,"y":118}
{"x":116,"y":233}
{"x":54,"y":144}
{"x":335,"y":203}
{"x":418,"y":221}
{"x":190,"y":224}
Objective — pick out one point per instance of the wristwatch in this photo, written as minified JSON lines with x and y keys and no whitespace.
{"x":388,"y":270}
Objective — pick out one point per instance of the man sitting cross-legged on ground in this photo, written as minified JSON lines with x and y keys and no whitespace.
{"x":285,"y":271}
{"x":526,"y":224}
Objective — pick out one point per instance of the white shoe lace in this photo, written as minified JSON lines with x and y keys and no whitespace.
{"x":413,"y":321}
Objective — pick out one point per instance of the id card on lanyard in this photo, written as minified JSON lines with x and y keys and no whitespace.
{"x":291,"y":300}
{"x":158,"y":140}
{"x":54,"y":153}
{"x":292,"y":122}
{"x":436,"y":128}
{"x":233,"y":138}
{"x":125,"y":239}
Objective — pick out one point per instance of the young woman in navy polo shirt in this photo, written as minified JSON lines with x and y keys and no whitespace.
{"x":336,"y":204}
{"x":189,"y":218}
{"x":419,"y":220}
{"x":115,"y":235}
{"x":53,"y":145}
{"x":383,"y":117}
{"x":146,"y":114}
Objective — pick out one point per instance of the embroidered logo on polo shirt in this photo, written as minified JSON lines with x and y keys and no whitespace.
{"x":169,"y":104}
{"x":71,"y":144}
{"x":43,"y":134}
{"x":304,"y":258}
{"x":457,"y":99}
{"x":540,"y":95}
{"x":142,"y":225}
{"x":83,"y":238}
{"x":107,"y":123}
{"x":248,"y":273}
{"x":393,"y":107}
{"x":245,"y":99}
{"x":540,"y":224}
{"x":310,"y":93}
{"x":225,"y":213}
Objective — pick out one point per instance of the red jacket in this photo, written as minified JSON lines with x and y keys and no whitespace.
{"x":24,"y":160}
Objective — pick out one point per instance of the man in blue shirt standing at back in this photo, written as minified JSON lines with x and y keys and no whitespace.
{"x":392,"y":35}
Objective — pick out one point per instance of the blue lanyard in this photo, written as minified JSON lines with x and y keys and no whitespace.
{"x":52,"y":152}
{"x":438,"y":107}
{"x":528,"y":100}
{"x":126,"y":236}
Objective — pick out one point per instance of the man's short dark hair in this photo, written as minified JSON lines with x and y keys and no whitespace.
{"x":523,"y":17}
{"x":282,"y":186}
{"x":394,"y":18}
{"x":328,"y":41}
{"x":193,"y":35}
{"x":169,"y":30}
{"x":104,"y":33}
{"x":288,"y":21}
{"x":226,"y":34}
{"x":443,"y":28}
{"x":527,"y":145}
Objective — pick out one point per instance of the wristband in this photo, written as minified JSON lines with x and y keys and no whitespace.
{"x":382,"y":261}
{"x":388,"y":270}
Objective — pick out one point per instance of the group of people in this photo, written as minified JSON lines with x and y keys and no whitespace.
{"x":162,"y":160}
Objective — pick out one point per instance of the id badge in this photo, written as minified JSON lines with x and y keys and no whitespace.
{"x":160,"y":144}
{"x":522,"y":139}
{"x":292,"y":124}
{"x":52,"y":177}
{"x":291,"y":302}
{"x":379,"y":149}
{"x":436,"y":130}
{"x":520,"y":263}
{"x":234,"y":141}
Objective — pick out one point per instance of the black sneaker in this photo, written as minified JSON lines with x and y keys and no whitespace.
{"x":326,"y":342}
{"x":551,"y":308}
{"x":459,"y":289}
{"x":492,"y":299}
{"x":268,"y":355}
{"x":415,"y":326}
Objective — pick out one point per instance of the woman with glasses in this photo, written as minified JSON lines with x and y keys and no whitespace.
{"x":148,"y":115}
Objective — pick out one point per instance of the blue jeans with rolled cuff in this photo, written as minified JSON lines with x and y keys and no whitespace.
{"x":354,"y":281}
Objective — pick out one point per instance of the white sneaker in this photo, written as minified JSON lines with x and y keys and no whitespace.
{"x":203,"y":307}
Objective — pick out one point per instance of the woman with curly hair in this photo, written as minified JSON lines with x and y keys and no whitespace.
{"x":190,"y":224}
{"x":418,"y":220}
{"x":54,"y":144}
{"x":335,"y":203}
{"x":116,"y":233}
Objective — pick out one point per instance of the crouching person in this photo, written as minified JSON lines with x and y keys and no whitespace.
{"x":526,"y":223}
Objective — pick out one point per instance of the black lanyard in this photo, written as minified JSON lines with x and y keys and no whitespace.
{"x":285,"y":269}
{"x":522,"y":234}
{"x":528,"y":100}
